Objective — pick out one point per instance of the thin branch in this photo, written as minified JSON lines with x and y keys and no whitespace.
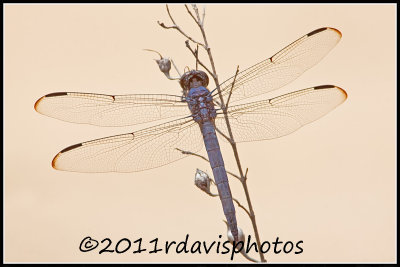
{"x":224,"y":135}
{"x":191,"y":153}
{"x":173,"y":63}
{"x":234,"y":199}
{"x":176,"y":27}
{"x":169,"y":14}
{"x":197,"y":13}
{"x":199,"y":61}
{"x":233,"y":144}
{"x":233,"y":84}
{"x":204,"y":158}
{"x":204,"y":15}
{"x":151,"y":50}
{"x":191,"y":14}
{"x":214,"y":75}
{"x":240,"y":205}
{"x":197,"y":56}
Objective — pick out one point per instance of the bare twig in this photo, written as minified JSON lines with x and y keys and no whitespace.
{"x":234,"y":199}
{"x":177,"y":70}
{"x":240,"y":205}
{"x":223,"y":135}
{"x":176,"y":27}
{"x":213,"y":73}
{"x":204,"y":158}
{"x":190,"y":13}
{"x":151,"y":50}
{"x":191,"y":153}
{"x":199,"y":61}
{"x":197,"y":56}
{"x":233,"y":144}
{"x":233,"y":84}
{"x":197,"y":14}
{"x":204,"y":15}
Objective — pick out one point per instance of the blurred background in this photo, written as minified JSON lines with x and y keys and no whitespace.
{"x":330,"y":184}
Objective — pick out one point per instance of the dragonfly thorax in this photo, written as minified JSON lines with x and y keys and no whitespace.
{"x":201,"y":104}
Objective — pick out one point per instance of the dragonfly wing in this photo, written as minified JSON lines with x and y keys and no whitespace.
{"x":109,"y":110}
{"x":282,"y":115}
{"x":141,"y":150}
{"x":282,"y":68}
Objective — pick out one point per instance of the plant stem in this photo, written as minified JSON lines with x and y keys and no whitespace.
{"x":213,"y":73}
{"x":233,"y":144}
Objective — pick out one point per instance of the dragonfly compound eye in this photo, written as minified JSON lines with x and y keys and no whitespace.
{"x":198,"y":74}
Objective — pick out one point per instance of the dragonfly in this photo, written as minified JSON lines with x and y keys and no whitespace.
{"x":196,"y":118}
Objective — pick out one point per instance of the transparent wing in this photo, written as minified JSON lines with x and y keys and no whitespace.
{"x":109,"y":110}
{"x":282,"y":68}
{"x":145,"y":149}
{"x":282,"y":115}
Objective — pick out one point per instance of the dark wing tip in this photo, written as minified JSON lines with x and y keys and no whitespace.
{"x":317,"y":31}
{"x":324,"y":29}
{"x":56,"y":94}
{"x":48,"y":95}
{"x":331,"y":86}
{"x":324,"y":86}
{"x":336,"y":30}
{"x":343,"y":91}
{"x":54,"y":161}
{"x":38,"y":102}
{"x":70,"y":148}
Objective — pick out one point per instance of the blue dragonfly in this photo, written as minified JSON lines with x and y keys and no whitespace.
{"x":197,"y":117}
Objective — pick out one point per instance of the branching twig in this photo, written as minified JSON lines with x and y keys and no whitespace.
{"x":199,"y":61}
{"x":233,"y":144}
{"x":176,"y":27}
{"x":213,"y":73}
{"x":190,"y":13}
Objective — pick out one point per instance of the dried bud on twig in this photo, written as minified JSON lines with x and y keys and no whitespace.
{"x":241,"y":237}
{"x":164,"y":64}
{"x":202,"y":181}
{"x":230,"y":236}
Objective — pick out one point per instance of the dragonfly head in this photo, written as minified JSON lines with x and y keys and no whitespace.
{"x":193,"y":78}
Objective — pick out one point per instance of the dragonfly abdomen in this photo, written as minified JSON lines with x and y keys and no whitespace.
{"x":220,"y":176}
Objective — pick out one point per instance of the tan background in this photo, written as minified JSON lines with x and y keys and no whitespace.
{"x":330,"y":184}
